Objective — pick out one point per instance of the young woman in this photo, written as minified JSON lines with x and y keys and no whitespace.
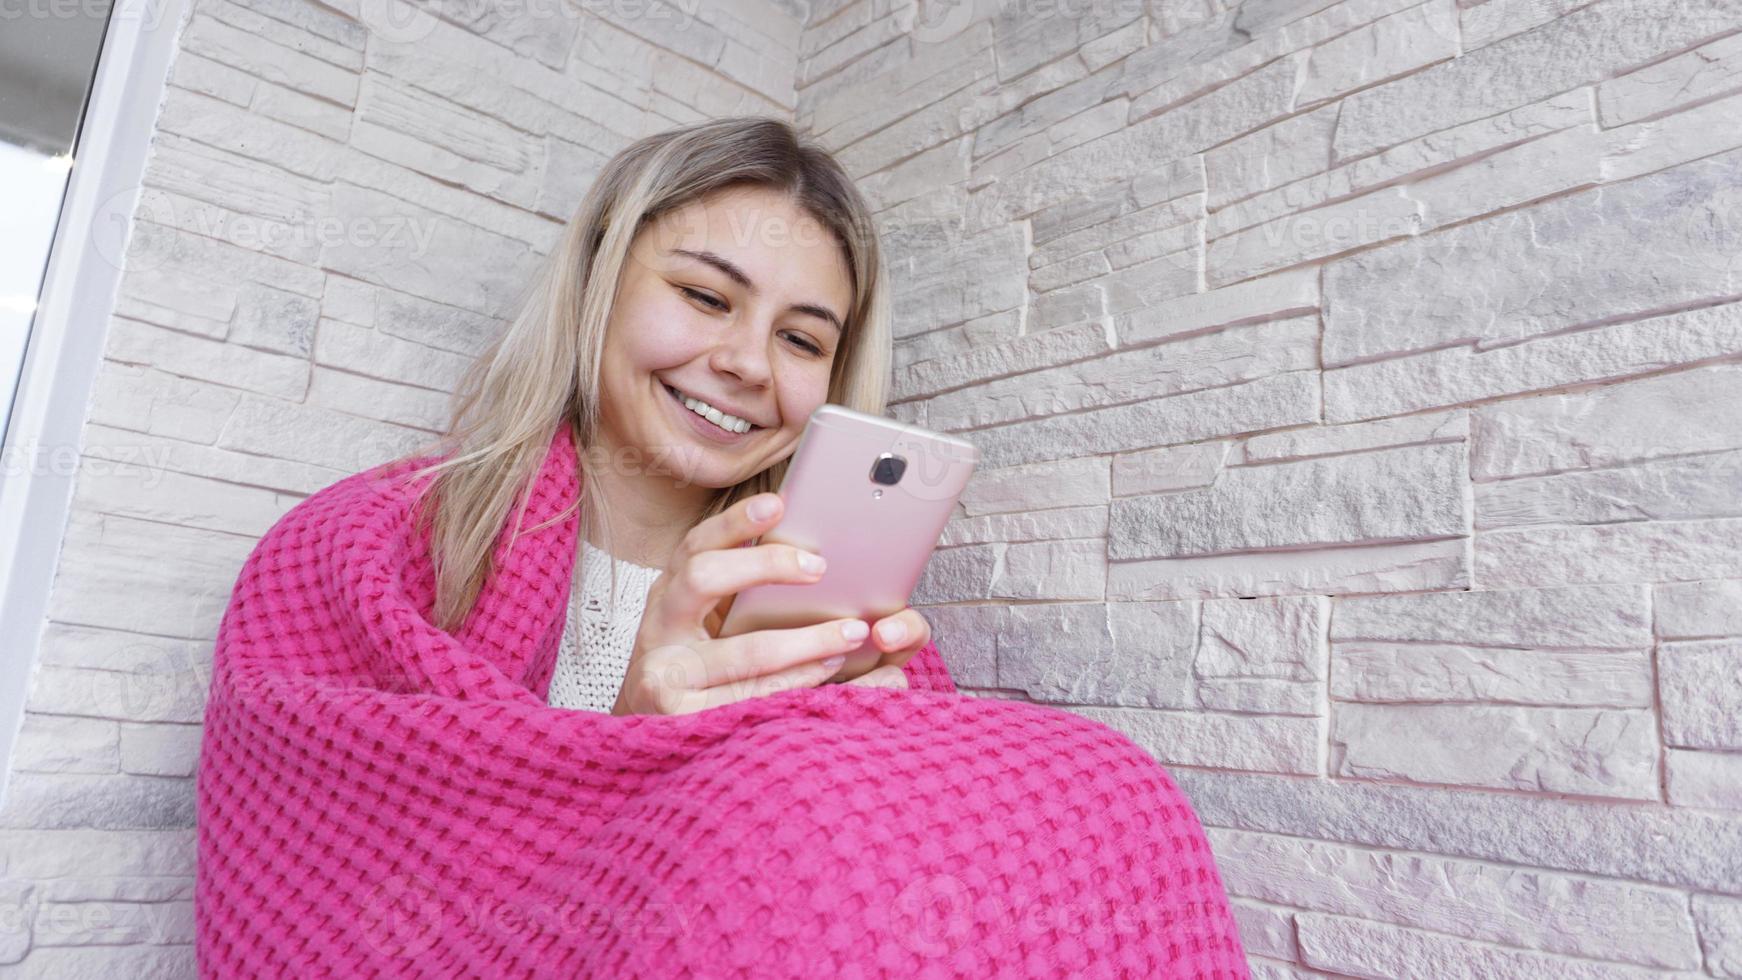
{"x":735,"y":285}
{"x":385,"y":788}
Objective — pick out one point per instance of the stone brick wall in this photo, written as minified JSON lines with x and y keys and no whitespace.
{"x":1360,"y":391}
{"x":1357,"y":381}
{"x":341,"y":204}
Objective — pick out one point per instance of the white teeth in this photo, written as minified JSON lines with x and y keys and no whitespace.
{"x":730,"y":423}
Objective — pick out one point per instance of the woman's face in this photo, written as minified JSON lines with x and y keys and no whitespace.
{"x":736,"y":300}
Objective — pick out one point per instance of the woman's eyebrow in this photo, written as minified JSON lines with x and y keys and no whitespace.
{"x":738,"y":276}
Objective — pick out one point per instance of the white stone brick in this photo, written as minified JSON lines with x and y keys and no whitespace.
{"x":1284,"y":294}
{"x":293,"y":107}
{"x":1404,"y":42}
{"x":1193,"y":364}
{"x":143,"y":576}
{"x":263,"y":59}
{"x":1173,"y":468}
{"x":1261,"y":695}
{"x":1064,"y":483}
{"x":1606,"y":617}
{"x":1457,"y":375}
{"x":274,"y":320}
{"x":1711,"y":70}
{"x":1700,"y":683}
{"x":1062,"y":307}
{"x":1131,"y":654}
{"x":1709,"y":779}
{"x":1433,"y":672}
{"x":1412,"y":493}
{"x":143,"y":455}
{"x":984,"y":331}
{"x":320,"y":31}
{"x":1273,"y":402}
{"x":1695,"y":610}
{"x":965,"y":637}
{"x":1683,"y":849}
{"x":1720,"y":925}
{"x":1600,"y":40}
{"x":1496,"y":20}
{"x":1636,"y":552}
{"x":1357,"y":948}
{"x":156,"y":494}
{"x":977,"y":277}
{"x":104,"y":962}
{"x":373,"y":354}
{"x":67,"y":801}
{"x":1106,"y":220}
{"x":1661,"y":242}
{"x":1297,"y":147}
{"x":435,"y":137}
{"x":241,"y":185}
{"x":222,"y":126}
{"x":1166,"y":140}
{"x":1666,"y":141}
{"x":1042,"y":525}
{"x":399,"y":245}
{"x":225,"y":364}
{"x":160,"y":750}
{"x":1435,"y":150}
{"x":151,"y":401}
{"x":1268,"y":638}
{"x":113,"y":923}
{"x":1513,"y":906}
{"x":207,"y":77}
{"x":1266,"y":930}
{"x":1331,"y":571}
{"x":372,"y":398}
{"x":318,"y":436}
{"x":1373,"y":218}
{"x":945,"y":163}
{"x":1683,"y":488}
{"x":1595,"y":751}
{"x":1608,"y":426}
{"x":1331,"y":440}
{"x":1193,"y":62}
{"x":1060,"y":570}
{"x":62,"y":743}
{"x":1250,"y":743}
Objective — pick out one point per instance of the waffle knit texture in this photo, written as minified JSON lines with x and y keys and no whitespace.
{"x":378,"y":797}
{"x":600,"y":636}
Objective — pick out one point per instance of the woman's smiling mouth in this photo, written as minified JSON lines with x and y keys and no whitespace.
{"x":708,"y":421}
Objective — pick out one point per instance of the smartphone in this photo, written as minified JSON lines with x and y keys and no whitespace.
{"x":872,"y":496}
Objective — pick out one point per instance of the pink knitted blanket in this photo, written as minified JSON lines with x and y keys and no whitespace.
{"x":378,"y":797}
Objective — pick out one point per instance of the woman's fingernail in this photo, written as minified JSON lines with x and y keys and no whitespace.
{"x":834,"y":663}
{"x":893,"y":631}
{"x":855,"y":630}
{"x":812,"y":563}
{"x":761,"y":509}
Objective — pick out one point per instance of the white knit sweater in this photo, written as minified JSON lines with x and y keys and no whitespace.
{"x":598,"y":639}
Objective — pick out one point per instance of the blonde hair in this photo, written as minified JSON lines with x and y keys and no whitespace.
{"x":544,"y":368}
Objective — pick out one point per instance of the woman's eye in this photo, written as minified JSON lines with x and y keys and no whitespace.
{"x":808,"y":346}
{"x":704,"y":297}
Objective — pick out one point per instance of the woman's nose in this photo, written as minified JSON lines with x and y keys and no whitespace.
{"x":743,"y":353}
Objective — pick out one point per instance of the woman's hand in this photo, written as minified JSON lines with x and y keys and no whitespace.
{"x":679,"y":665}
{"x":899,"y":636}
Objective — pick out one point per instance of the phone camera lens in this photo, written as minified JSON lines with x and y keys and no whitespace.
{"x":888,"y":469}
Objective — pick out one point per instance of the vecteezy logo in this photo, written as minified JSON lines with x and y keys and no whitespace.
{"x":133,"y":232}
{"x":931,"y":915}
{"x":402,"y":915}
{"x":396,"y":21}
{"x":941,"y":20}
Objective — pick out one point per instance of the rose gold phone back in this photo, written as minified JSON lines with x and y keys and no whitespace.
{"x":877,"y":538}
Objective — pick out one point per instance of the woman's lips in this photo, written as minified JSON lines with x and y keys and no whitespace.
{"x":702,"y":426}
